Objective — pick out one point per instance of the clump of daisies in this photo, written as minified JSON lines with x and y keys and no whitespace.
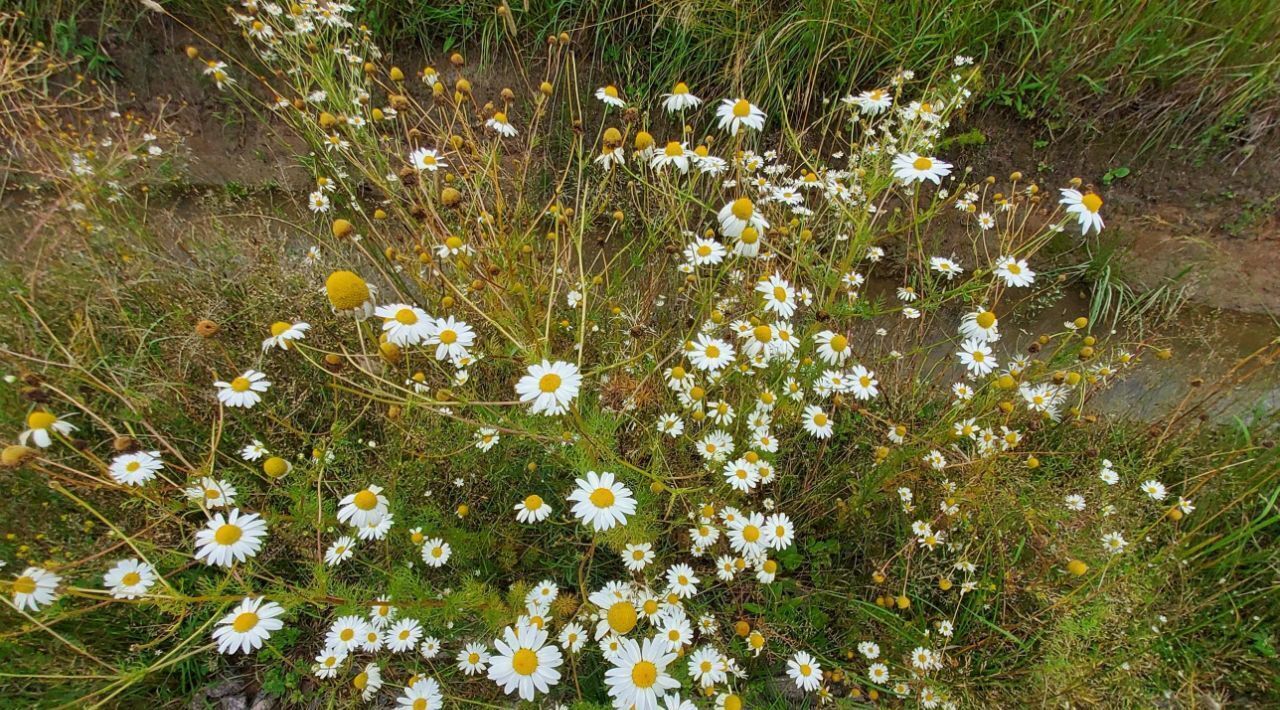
{"x":606,"y":426}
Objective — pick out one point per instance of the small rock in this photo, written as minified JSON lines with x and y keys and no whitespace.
{"x":235,"y":702}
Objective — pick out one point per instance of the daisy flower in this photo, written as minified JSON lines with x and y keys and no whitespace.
{"x":473,"y":659}
{"x":404,"y":324}
{"x":1014,"y":272}
{"x":283,"y":333}
{"x":913,"y":167}
{"x":403,"y":635}
{"x":738,"y":215}
{"x":873,"y":102}
{"x":500,"y":125}
{"x":427,"y":159}
{"x":451,"y":337}
{"x":524,"y":663}
{"x":328,"y":662}
{"x":340,"y":551}
{"x":816,"y":422}
{"x":682,"y":581}
{"x":212,"y":493}
{"x":368,"y":681}
{"x":436,"y":552}
{"x":680,"y":99}
{"x":707,"y":667}
{"x":804,"y":670}
{"x":248,"y":626}
{"x":734,"y":114}
{"x":710,"y":354}
{"x":243,"y":391}
{"x":572,"y":637}
{"x":135,"y":469}
{"x":602,"y":502}
{"x":360,"y":508}
{"x":35,"y":588}
{"x":704,"y":252}
{"x":129,"y":579}
{"x":1085,"y":206}
{"x":532,"y":509}
{"x":674,"y":154}
{"x":833,"y":348}
{"x":422,"y":694}
{"x":347,"y":632}
{"x":862,"y":383}
{"x":609,"y":96}
{"x":227,"y":539}
{"x":39,"y":426}
{"x":976,"y":357}
{"x":349,"y":294}
{"x":253,"y":451}
{"x":639,"y":676}
{"x":637,"y":556}
{"x":549,"y":387}
{"x":779,"y":296}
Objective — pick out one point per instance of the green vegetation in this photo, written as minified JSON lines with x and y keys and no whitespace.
{"x":806,"y":283}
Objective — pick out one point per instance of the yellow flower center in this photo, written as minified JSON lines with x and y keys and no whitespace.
{"x":742,"y":108}
{"x":805,"y":670}
{"x":621,"y":617}
{"x":770,"y":567}
{"x":820,"y":419}
{"x":922,"y":163}
{"x":366,"y":500}
{"x":550,"y":382}
{"x":751,"y":533}
{"x":448,"y":337}
{"x":712,"y":351}
{"x":839,"y":343}
{"x":1091,"y":202}
{"x":743,"y":209}
{"x":533,"y":502}
{"x":279,"y":327}
{"x":602,"y":497}
{"x":130,"y":579}
{"x":211,"y":493}
{"x":524,"y":662}
{"x":985,"y":319}
{"x":704,"y":250}
{"x":240,"y":384}
{"x":864,"y":381}
{"x":275,"y":467}
{"x":763,"y":333}
{"x":24,"y":585}
{"x":420,"y":704}
{"x":732,"y":702}
{"x":644,"y":674}
{"x":132,"y":466}
{"x":780,"y":294}
{"x":361,"y":681}
{"x":346,"y":290}
{"x":244,"y":622}
{"x":453,"y":242}
{"x":651,"y":606}
{"x":1013,"y":268}
{"x":978,"y":356}
{"x":227,"y":534}
{"x":406,"y":316}
{"x":681,"y":89}
{"x":40,"y":420}
{"x":673,"y":150}
{"x":500,"y":117}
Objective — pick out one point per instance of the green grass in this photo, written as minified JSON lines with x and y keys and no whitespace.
{"x":1209,"y":70}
